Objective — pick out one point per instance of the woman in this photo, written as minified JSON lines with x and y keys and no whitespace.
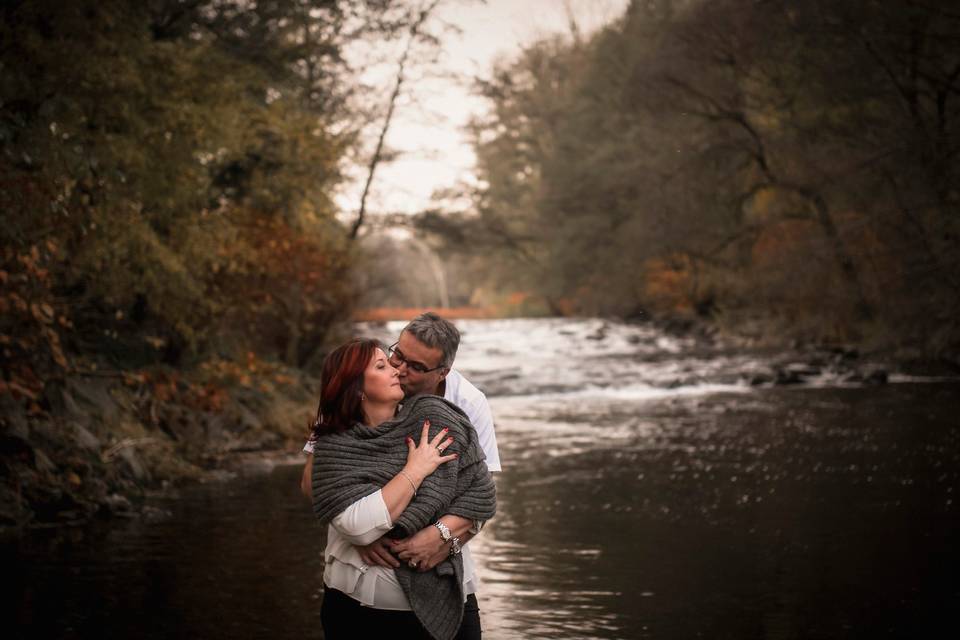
{"x":378,"y":472}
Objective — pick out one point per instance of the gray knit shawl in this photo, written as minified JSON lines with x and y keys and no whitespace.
{"x":355,"y":463}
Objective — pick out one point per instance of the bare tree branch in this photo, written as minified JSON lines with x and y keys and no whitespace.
{"x":388,"y":118}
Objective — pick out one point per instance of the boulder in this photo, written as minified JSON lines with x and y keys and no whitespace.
{"x":875,"y":376}
{"x":132,"y":462}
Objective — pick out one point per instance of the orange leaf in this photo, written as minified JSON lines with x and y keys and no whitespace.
{"x":58,"y":356}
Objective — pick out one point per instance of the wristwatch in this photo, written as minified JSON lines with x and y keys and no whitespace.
{"x":455,"y":546}
{"x":445,"y":534}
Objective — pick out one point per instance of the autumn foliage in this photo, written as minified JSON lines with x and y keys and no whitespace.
{"x":171,"y":263}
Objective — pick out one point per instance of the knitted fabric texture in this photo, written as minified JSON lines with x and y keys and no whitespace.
{"x":353,"y":464}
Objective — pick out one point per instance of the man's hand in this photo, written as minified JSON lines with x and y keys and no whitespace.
{"x":426,"y":547}
{"x":422,"y":547}
{"x":378,"y":553}
{"x":436,"y":559}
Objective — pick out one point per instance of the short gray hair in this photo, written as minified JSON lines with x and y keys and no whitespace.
{"x":436,"y":333}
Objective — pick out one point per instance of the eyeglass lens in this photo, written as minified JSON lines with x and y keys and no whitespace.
{"x":397,"y":355}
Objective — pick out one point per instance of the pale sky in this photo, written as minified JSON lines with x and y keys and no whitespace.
{"x":429,"y":122}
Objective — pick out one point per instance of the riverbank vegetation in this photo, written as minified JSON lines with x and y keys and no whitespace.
{"x":786,"y":170}
{"x":171,"y":263}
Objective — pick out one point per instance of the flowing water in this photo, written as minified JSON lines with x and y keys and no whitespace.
{"x":648,"y":491}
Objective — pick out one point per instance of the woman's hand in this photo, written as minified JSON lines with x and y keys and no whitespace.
{"x":423,"y":459}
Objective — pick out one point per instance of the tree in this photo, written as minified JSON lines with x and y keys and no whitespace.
{"x":793,"y":162}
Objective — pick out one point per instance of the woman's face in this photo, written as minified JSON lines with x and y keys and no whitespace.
{"x":381,"y":381}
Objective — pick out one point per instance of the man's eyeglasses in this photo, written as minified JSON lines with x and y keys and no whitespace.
{"x":397,"y":358}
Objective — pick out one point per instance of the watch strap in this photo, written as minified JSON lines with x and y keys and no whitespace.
{"x":444,"y":531}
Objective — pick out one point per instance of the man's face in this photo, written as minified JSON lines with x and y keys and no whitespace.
{"x":413,"y":351}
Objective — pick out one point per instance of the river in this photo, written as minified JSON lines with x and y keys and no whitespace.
{"x":648,"y":491}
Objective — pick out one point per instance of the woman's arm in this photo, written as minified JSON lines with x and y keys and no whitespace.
{"x":422,"y":460}
{"x":364,"y":521}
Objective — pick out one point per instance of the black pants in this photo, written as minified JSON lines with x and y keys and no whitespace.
{"x":343,"y":617}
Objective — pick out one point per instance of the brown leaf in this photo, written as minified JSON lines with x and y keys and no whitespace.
{"x":20,"y":390}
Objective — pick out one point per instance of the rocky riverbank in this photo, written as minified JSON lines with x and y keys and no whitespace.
{"x":791,"y":361}
{"x":99,"y":445}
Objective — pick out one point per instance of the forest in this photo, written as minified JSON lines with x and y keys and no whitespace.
{"x":173,"y":263}
{"x":781,"y":169}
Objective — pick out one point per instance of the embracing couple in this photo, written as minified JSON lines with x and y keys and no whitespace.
{"x":399,"y":470}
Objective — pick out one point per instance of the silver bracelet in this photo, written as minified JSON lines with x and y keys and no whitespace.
{"x":412,"y":486}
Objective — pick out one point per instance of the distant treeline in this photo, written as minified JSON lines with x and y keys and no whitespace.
{"x":792,"y":163}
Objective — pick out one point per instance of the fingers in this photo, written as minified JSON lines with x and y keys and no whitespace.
{"x":446,"y":443}
{"x":440,"y":436}
{"x":384,"y":558}
{"x":377,"y":553}
{"x":432,"y":561}
{"x":425,"y":434}
{"x":452,"y":456}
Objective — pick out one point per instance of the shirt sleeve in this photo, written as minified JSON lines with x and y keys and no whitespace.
{"x":365,"y":520}
{"x":482,"y":419}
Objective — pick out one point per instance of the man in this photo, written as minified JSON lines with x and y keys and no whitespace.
{"x":424,"y":355}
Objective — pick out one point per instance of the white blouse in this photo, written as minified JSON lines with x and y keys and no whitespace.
{"x":361,"y":523}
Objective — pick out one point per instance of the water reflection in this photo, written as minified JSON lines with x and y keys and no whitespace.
{"x":793,"y":513}
{"x":630,"y":507}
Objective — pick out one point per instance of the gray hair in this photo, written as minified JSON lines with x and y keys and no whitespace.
{"x":436,"y":333}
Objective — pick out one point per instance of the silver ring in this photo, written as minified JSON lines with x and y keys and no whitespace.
{"x":439,"y":450}
{"x":413,"y":564}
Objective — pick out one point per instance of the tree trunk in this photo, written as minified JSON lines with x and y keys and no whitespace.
{"x":848,"y":268}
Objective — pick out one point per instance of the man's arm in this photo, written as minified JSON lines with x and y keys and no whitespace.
{"x":427,"y":546}
{"x":306,"y":480}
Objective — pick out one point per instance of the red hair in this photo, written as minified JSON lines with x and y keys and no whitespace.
{"x":341,"y":386}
